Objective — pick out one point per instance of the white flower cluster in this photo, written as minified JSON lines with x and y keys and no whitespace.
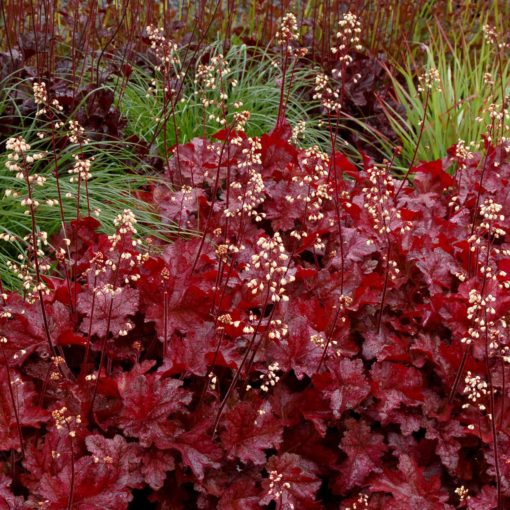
{"x":213,"y":380}
{"x":378,"y":198}
{"x":288,"y":31}
{"x":497,"y":123}
{"x":64,"y":420}
{"x":320,"y":341}
{"x":491,"y":35}
{"x":23,"y":271}
{"x":277,"y":329}
{"x":277,"y":486}
{"x":498,"y":340}
{"x":321,"y":190}
{"x":482,"y":242}
{"x":55,"y":372}
{"x":298,"y":131}
{"x":156,"y":36}
{"x":80,"y":171}
{"x":462,"y":493}
{"x":226,"y":320}
{"x":272,"y":259}
{"x":248,"y":329}
{"x":77,"y":133}
{"x":463,"y":151}
{"x":270,"y":378}
{"x":360,"y":504}
{"x":19,"y":160}
{"x":480,"y":308}
{"x":169,"y":62}
{"x":475,"y":391}
{"x":212,"y":80}
{"x":248,"y":196}
{"x":224,"y":250}
{"x":240,"y":119}
{"x":165,"y":50}
{"x":430,"y":80}
{"x":324,"y":92}
{"x":125,"y":223}
{"x":41,"y":100}
{"x":491,"y":213}
{"x":40,"y":93}
{"x":347,"y":38}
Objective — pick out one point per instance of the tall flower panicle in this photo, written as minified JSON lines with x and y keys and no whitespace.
{"x":347,"y":37}
{"x":329,"y":89}
{"x":481,"y":311}
{"x":287,"y":36}
{"x":20,"y":160}
{"x":168,"y":69}
{"x":214,"y":87}
{"x":379,"y":201}
{"x":288,"y":31}
{"x":165,"y":49}
{"x":249,"y":191}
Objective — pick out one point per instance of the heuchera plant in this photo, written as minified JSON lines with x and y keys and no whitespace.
{"x":333,"y":339}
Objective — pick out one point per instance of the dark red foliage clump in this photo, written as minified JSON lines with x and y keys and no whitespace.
{"x":313,"y":348}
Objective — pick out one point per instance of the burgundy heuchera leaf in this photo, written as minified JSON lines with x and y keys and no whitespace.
{"x":249,"y":431}
{"x":364,"y":449}
{"x":147,"y":402}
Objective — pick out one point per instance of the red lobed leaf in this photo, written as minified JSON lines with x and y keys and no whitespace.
{"x":248,"y":431}
{"x":344,"y":383}
{"x":410,"y":487}
{"x":364,"y":449}
{"x":107,"y":311}
{"x":147,"y":402}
